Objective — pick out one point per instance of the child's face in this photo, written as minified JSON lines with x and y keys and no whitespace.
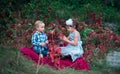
{"x":41,"y":27}
{"x":69,"y":28}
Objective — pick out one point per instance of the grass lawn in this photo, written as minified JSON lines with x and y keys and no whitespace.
{"x":12,"y":62}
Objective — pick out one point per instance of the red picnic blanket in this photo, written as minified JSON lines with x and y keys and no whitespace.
{"x":79,"y":64}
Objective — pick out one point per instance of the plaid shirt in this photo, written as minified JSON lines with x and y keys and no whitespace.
{"x":37,"y":39}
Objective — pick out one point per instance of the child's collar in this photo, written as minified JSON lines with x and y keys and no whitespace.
{"x":40,"y":32}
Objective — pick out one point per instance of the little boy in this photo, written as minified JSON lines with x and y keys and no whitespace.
{"x":40,"y":39}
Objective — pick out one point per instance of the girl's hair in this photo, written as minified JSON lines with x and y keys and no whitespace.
{"x":73,"y":23}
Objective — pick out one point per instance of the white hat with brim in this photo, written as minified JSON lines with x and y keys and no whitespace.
{"x":69,"y":22}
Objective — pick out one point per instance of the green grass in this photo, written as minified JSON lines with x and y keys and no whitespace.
{"x":13,"y":62}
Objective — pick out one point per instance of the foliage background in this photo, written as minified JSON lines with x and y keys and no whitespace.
{"x":17,"y":19}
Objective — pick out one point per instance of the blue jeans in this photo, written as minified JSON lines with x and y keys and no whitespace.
{"x":43,"y":49}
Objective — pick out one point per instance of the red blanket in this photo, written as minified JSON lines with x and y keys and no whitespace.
{"x":79,"y":64}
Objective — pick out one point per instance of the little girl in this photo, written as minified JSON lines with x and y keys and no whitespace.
{"x":74,"y":47}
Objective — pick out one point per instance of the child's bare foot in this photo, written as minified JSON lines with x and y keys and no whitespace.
{"x":41,"y":55}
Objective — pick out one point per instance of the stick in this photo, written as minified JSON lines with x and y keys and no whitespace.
{"x":40,"y":57}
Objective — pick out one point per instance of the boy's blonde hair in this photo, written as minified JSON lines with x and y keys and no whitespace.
{"x":37,"y":23}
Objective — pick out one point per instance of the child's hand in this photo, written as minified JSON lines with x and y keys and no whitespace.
{"x":43,"y":44}
{"x":64,"y":38}
{"x":47,"y":42}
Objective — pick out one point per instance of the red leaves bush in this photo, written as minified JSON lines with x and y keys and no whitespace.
{"x":97,"y":43}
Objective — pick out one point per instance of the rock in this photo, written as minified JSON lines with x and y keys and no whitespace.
{"x":113,"y":59}
{"x":109,"y":25}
